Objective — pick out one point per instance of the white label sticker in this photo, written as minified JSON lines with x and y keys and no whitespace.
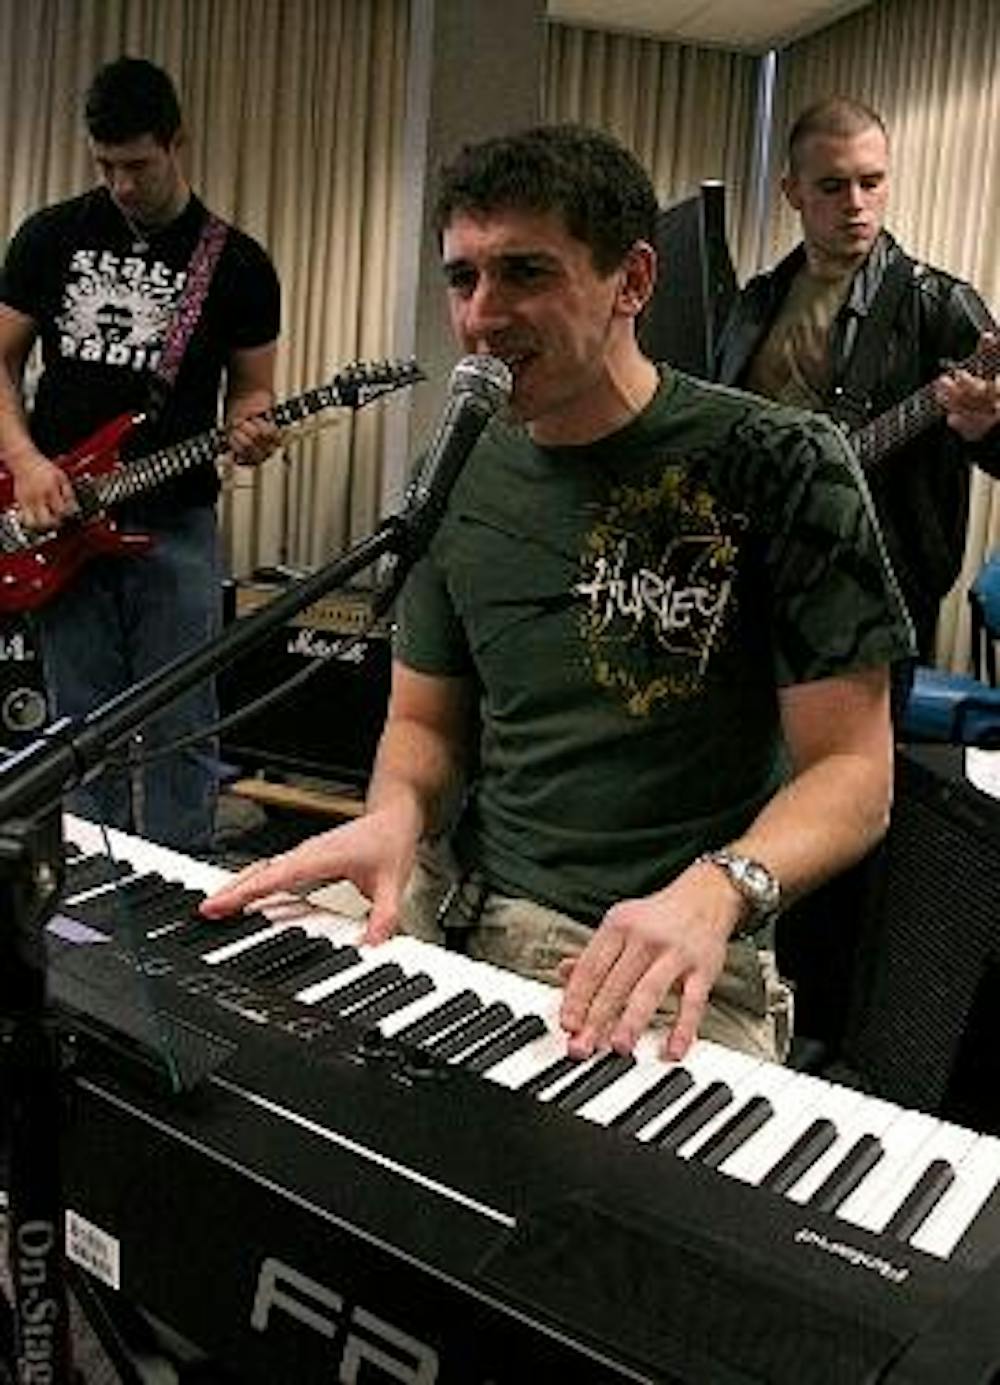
{"x":93,"y":1249}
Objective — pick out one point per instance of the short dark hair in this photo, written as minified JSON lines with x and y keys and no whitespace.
{"x":602,"y":192}
{"x":131,"y":97}
{"x":834,"y":115}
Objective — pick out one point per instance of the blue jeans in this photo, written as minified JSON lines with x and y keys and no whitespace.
{"x":119,"y":620}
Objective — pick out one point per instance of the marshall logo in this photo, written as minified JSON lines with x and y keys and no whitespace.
{"x":348,"y":649}
{"x":368,"y":1340}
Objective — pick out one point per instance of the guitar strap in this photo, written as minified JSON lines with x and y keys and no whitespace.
{"x":201,"y":267}
{"x":855,"y":386}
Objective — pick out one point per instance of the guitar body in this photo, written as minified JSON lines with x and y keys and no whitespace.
{"x":30,"y":577}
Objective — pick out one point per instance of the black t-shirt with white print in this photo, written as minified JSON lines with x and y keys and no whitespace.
{"x":103,"y":300}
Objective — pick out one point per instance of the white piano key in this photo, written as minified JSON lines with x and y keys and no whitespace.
{"x":706,"y":1063}
{"x":225,"y":951}
{"x":796,"y":1105}
{"x":976,"y":1177}
{"x":910,"y":1143}
{"x":765,"y":1079}
{"x":854,"y":1115}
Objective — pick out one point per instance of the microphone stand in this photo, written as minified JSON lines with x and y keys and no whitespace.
{"x":31,"y":862}
{"x":32,"y":783}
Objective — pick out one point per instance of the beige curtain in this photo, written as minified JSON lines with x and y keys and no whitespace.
{"x":295,"y":113}
{"x":932,"y":70}
{"x":686,"y":113}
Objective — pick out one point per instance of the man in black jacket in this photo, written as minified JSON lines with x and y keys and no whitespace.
{"x":851,"y":325}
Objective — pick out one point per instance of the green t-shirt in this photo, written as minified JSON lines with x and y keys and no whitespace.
{"x":628,"y":610}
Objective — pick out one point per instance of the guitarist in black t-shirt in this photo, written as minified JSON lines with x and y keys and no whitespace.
{"x":99,"y":282}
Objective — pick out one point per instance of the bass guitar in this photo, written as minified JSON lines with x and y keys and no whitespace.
{"x":35,"y":565}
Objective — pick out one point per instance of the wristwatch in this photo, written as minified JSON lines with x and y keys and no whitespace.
{"x":758,"y":886}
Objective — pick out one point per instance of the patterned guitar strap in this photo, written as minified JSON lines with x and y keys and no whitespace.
{"x":200,"y":269}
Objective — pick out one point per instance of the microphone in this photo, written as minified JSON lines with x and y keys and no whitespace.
{"x":478,"y":389}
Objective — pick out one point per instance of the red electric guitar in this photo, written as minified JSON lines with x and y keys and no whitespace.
{"x":35,"y":565}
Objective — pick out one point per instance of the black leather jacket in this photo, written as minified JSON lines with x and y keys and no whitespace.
{"x":921,"y":491}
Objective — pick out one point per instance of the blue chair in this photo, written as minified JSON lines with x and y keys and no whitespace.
{"x":952,"y":708}
{"x":984,"y":612}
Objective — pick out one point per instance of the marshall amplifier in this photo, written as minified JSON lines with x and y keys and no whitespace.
{"x":329,"y":725}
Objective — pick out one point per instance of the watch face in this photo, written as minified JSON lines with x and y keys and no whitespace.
{"x":761,"y":884}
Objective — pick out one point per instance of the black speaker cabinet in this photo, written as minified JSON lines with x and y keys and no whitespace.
{"x":924,"y":1021}
{"x":330,"y":725}
{"x":695,"y":283}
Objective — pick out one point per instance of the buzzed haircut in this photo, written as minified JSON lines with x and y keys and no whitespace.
{"x":839,"y":116}
{"x":598,"y":187}
{"x":129,"y":98}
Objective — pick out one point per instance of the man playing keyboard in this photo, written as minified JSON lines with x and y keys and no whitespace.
{"x":640,"y":690}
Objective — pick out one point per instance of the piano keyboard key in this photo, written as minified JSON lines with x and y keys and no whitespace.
{"x":354,"y":990}
{"x":855,"y":1165}
{"x":444,"y":1014}
{"x":921,"y":1200}
{"x":745,"y":1118}
{"x":509,"y":1040}
{"x":912,"y":1142}
{"x":393,"y":998}
{"x":594,"y":1078}
{"x":817,"y":1137}
{"x":734,"y":1132}
{"x":975,"y":1178}
{"x":651,"y":1102}
{"x":694,"y":1115}
{"x":489,"y":1020}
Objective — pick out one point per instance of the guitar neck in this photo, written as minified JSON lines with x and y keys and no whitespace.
{"x":905,"y":420}
{"x":145,"y":473}
{"x":897,"y":426}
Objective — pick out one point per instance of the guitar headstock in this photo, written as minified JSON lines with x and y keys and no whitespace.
{"x":362,"y":381}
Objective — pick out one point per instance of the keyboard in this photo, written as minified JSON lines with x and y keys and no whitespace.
{"x":378,"y":1163}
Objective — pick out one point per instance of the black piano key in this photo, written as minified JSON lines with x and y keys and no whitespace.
{"x":87,"y":872}
{"x":174,"y":905}
{"x":921,"y":1200}
{"x":250,"y":960}
{"x":291,"y":964}
{"x":123,"y":900}
{"x":693,"y":1116}
{"x":404,"y":992}
{"x":551,"y":1074}
{"x":663,"y":1093}
{"x":205,"y":935}
{"x":812,"y":1143}
{"x":331,"y":961}
{"x":151,"y":913}
{"x":522,"y":1032}
{"x":371,"y":983}
{"x":859,"y":1160}
{"x":477,"y":1026}
{"x":606,"y":1070}
{"x":734,"y":1132}
{"x":457,"y":1007}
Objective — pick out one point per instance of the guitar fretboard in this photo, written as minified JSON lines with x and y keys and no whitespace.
{"x":905,"y":420}
{"x":350,"y":389}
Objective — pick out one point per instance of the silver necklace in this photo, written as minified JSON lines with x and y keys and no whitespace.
{"x":140,"y":238}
